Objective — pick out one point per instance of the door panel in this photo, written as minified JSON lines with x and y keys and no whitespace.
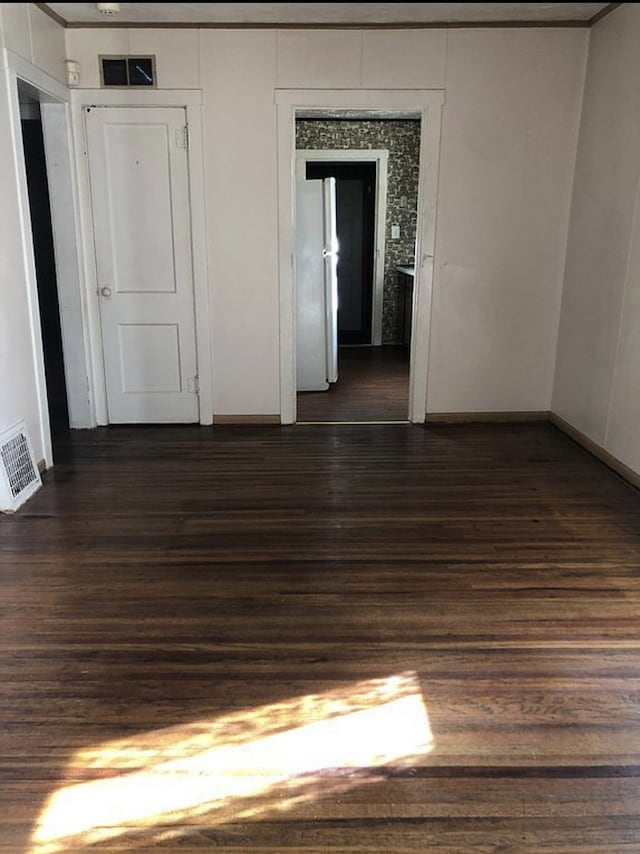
{"x":140,"y":200}
{"x":136,"y":163}
{"x":149,"y":357}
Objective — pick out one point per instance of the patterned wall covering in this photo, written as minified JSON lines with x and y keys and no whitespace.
{"x":402,"y":141}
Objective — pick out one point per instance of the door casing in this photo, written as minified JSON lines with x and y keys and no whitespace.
{"x":61,"y":178}
{"x":191,"y":102}
{"x":143,"y":257}
{"x":427,"y":105}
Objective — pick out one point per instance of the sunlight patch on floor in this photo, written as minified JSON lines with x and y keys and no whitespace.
{"x":242,"y":765}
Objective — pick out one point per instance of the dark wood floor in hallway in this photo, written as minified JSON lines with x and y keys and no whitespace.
{"x":313,"y":639}
{"x":373,"y":385}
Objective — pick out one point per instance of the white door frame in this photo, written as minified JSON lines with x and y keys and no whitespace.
{"x":191,"y":101}
{"x":428,"y":104}
{"x":381,"y":158}
{"x":59,"y":153}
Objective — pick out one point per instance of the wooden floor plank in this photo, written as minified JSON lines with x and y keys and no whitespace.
{"x":373,"y":385}
{"x":174,"y":590}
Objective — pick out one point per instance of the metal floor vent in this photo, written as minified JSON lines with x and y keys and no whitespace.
{"x":19,"y":475}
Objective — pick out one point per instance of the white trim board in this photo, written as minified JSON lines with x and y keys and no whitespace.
{"x":380,"y":157}
{"x":428,"y":103}
{"x":191,"y":101}
{"x":47,"y":84}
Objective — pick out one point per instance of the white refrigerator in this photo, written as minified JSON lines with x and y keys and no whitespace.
{"x":316,"y":285}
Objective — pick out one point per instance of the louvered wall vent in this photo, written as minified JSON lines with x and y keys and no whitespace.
{"x":19,"y":475}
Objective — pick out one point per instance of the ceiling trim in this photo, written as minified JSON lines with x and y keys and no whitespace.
{"x":610,"y":7}
{"x":52,"y":14}
{"x":342,"y":25}
{"x":400,"y":25}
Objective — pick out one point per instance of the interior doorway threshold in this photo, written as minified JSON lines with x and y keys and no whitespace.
{"x":321,"y":423}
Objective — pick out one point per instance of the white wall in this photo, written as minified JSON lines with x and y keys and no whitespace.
{"x":508,"y":148}
{"x":176,"y":50}
{"x":32,"y":34}
{"x":238,"y":79}
{"x":597,"y":385}
{"x":27,"y":31}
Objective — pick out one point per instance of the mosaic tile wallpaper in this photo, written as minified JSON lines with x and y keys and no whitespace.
{"x":402,"y":141}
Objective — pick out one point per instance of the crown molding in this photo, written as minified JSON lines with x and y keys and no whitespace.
{"x":341,"y":25}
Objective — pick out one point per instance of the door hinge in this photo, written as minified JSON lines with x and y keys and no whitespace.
{"x":182,"y":137}
{"x":193,"y":385}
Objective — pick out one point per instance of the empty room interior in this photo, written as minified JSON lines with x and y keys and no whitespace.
{"x":319,"y":427}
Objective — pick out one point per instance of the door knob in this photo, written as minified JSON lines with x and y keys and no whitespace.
{"x":106,"y":292}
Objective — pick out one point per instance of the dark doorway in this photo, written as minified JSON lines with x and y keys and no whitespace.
{"x":355,"y":202}
{"x":39,"y":207}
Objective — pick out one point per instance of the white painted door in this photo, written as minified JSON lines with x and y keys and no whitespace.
{"x":138,"y":166}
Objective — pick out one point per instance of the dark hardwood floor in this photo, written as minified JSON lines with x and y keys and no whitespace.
{"x":373,"y":385}
{"x":231,"y":638}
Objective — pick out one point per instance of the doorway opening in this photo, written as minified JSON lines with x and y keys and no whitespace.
{"x":37,"y":183}
{"x":355,"y":223}
{"x":43,"y":149}
{"x":374,"y":158}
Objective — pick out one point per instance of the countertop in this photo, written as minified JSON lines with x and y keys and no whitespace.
{"x":407,"y":269}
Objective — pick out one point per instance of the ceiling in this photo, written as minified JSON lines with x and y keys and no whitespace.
{"x":326,"y":14}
